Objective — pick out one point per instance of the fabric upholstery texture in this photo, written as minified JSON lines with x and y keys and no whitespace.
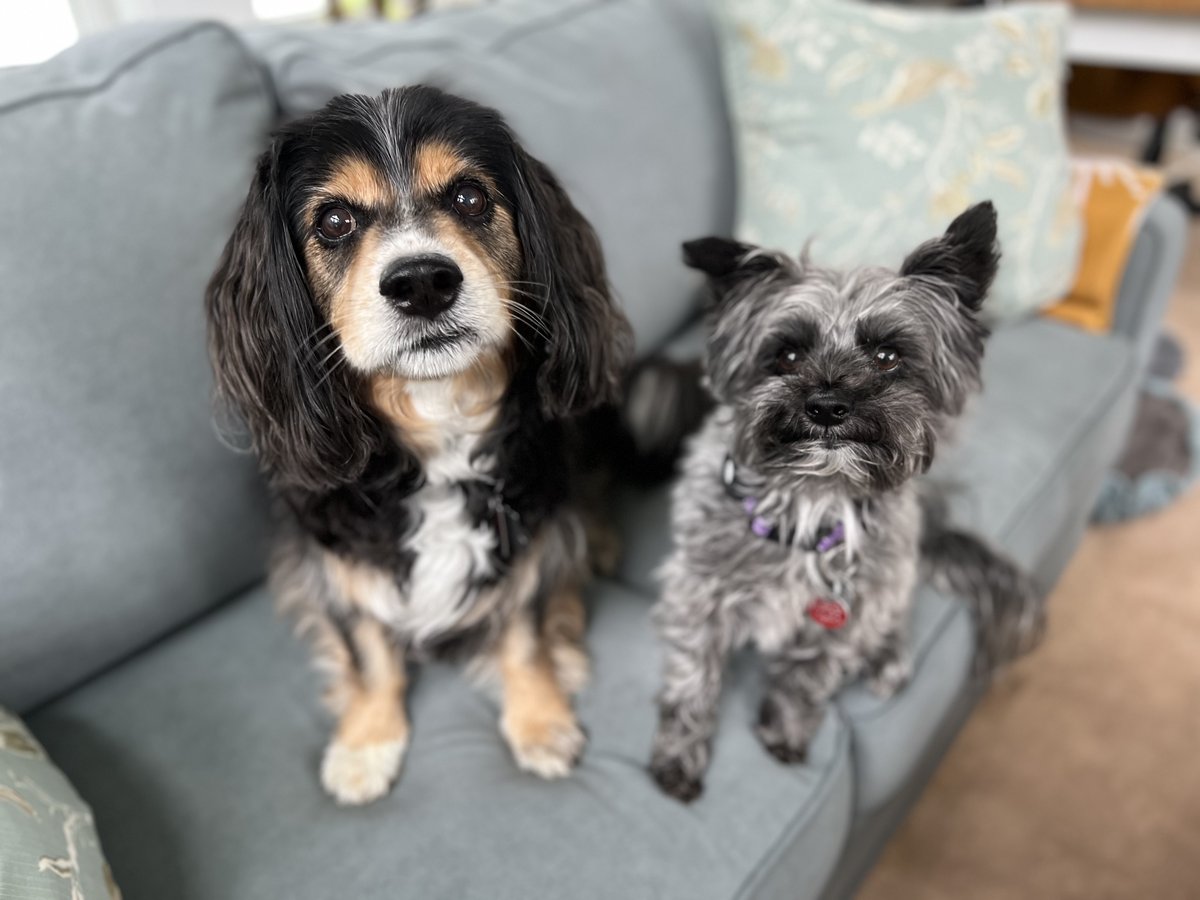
{"x":123,"y":516}
{"x":49,"y":849}
{"x":200,"y":758}
{"x":868,"y":128}
{"x":595,"y":88}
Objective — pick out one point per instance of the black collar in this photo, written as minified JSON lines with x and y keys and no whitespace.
{"x":486,"y":503}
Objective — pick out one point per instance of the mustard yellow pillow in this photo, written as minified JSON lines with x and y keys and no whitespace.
{"x":1113,"y":195}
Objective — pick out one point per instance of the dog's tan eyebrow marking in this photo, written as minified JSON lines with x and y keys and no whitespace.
{"x":360,"y":182}
{"x":435,"y":165}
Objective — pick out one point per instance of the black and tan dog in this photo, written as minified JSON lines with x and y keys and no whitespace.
{"x":410,"y":318}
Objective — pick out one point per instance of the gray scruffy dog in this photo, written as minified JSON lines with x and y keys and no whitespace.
{"x":797,"y":520}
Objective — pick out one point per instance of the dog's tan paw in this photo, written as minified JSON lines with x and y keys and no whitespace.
{"x":355,"y":775}
{"x":547,"y":746}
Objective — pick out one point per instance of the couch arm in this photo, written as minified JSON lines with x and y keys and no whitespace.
{"x":1150,"y":274}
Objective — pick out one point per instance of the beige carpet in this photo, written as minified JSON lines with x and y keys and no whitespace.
{"x":1079,"y":775}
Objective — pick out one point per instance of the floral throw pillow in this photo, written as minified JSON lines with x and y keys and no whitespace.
{"x":48,"y":844}
{"x":868,"y":128}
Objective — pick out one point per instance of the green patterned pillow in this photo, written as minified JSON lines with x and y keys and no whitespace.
{"x":868,"y":128}
{"x":48,"y":844}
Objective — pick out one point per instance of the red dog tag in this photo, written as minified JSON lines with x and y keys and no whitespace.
{"x":828,"y":612}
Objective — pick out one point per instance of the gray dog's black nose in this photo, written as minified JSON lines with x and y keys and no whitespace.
{"x":421,"y":286}
{"x":828,"y":409}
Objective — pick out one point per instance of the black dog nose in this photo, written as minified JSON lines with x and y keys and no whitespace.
{"x":828,"y":409}
{"x":421,"y":286}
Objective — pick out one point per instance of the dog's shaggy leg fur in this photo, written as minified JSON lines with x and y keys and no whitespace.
{"x":1009,"y":610}
{"x":563,"y":627}
{"x":537,"y":720}
{"x":889,"y":668}
{"x":367,"y":749}
{"x":694,"y":660}
{"x":799,"y":687}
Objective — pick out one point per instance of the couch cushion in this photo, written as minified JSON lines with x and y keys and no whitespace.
{"x":199,"y":758}
{"x":622,"y":99}
{"x":1034,"y":447}
{"x":124,"y":161}
{"x":1026,"y":468}
{"x":865,"y":129}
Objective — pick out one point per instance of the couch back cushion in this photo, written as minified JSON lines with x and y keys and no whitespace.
{"x":621,"y":98}
{"x":121,"y":514}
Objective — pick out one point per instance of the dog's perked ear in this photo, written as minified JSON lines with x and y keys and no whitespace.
{"x":727,"y":263}
{"x":716,"y":257}
{"x":589,"y":341}
{"x":272,"y":357}
{"x":965,"y":257}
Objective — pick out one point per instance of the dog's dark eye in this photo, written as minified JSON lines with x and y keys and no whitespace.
{"x":469,"y":200}
{"x":886,"y":359}
{"x":336,"y":223}
{"x":787,"y":362}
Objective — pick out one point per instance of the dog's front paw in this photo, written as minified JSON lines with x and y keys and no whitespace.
{"x":355,"y":775}
{"x":547,"y":745}
{"x":675,"y":779}
{"x":783,"y":733}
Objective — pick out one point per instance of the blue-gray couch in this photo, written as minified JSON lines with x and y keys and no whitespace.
{"x":135,"y":634}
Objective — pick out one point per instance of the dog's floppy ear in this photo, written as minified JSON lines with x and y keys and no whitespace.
{"x":965,"y":257}
{"x":271,"y":364}
{"x":589,"y":340}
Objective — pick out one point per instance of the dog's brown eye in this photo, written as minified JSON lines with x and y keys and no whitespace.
{"x":335,"y":223}
{"x":788,"y":362}
{"x":886,"y":359}
{"x":469,"y":200}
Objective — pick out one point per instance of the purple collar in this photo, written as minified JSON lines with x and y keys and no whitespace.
{"x":828,"y":539}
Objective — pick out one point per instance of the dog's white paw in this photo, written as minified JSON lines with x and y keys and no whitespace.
{"x":549,"y":748}
{"x":357,"y":775}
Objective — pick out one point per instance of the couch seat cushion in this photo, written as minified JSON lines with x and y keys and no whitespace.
{"x":199,"y":758}
{"x":1025,"y":470}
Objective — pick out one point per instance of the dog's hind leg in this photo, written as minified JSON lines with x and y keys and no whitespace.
{"x":563,"y":625}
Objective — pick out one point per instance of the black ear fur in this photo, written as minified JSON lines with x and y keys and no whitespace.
{"x":299,"y":402}
{"x":727,"y":262}
{"x":965,"y":257}
{"x":715,"y":256}
{"x":590,"y":342}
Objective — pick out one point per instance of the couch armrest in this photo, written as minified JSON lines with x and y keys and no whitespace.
{"x":1150,"y":274}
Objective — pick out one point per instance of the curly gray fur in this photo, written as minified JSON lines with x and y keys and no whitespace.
{"x":827,"y":427}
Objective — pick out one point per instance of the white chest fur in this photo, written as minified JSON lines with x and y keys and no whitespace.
{"x":452,"y":550}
